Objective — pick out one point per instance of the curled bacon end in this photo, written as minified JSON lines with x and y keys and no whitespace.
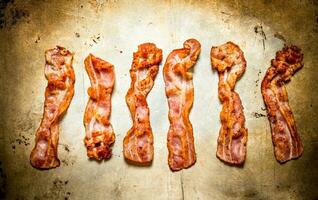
{"x":99,"y":132}
{"x":228,"y":59}
{"x":179,"y":91}
{"x":138,"y":143}
{"x":286,"y":141}
{"x":58,"y":95}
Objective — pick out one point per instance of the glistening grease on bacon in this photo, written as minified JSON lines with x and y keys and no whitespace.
{"x":287,"y":143}
{"x":58,"y":95}
{"x":99,"y":132}
{"x":138,"y":143}
{"x":179,"y":91}
{"x":229,"y":61}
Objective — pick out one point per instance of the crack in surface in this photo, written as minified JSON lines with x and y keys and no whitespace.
{"x":182,"y":187}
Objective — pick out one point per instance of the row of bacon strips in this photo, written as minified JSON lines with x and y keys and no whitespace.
{"x":228,"y":59}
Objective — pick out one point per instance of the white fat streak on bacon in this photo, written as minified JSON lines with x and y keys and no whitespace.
{"x":58,"y":95}
{"x":138,"y":143}
{"x":287,"y":143}
{"x":179,"y":91}
{"x":99,"y":132}
{"x":229,"y":61}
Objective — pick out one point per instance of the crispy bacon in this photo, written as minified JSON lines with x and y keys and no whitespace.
{"x":138,"y":143}
{"x":229,"y":61}
{"x":179,"y":91}
{"x":99,"y":132}
{"x":287,"y":143}
{"x":58,"y":95}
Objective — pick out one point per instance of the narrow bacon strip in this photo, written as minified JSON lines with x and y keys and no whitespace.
{"x":228,"y":59}
{"x":138,"y":143}
{"x":179,"y":91}
{"x":58,"y":95}
{"x":99,"y":132}
{"x":287,"y":143}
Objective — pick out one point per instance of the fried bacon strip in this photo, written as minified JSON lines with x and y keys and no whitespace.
{"x":179,"y":91}
{"x":58,"y":95}
{"x":138,"y":143}
{"x":287,"y":143}
{"x":228,"y":59}
{"x":99,"y":132}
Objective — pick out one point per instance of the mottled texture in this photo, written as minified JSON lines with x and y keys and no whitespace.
{"x":99,"y":133}
{"x":138,"y":142}
{"x":229,"y":61}
{"x":180,"y":92}
{"x":114,"y":32}
{"x":58,"y":96}
{"x":286,"y":141}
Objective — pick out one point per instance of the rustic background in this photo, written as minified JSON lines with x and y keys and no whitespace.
{"x":112,"y":30}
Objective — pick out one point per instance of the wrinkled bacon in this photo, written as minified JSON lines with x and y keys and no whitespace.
{"x":58,"y":95}
{"x":138,"y":143}
{"x":99,"y":132}
{"x":287,"y":143}
{"x":179,"y":91}
{"x":229,"y":61}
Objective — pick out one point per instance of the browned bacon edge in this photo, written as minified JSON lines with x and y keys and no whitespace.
{"x":99,"y":132}
{"x":228,"y":59}
{"x":138,"y":143}
{"x":58,"y":95}
{"x":179,"y":91}
{"x":286,"y":141}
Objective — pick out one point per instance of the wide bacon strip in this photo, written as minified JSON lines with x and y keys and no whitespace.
{"x":58,"y":95}
{"x":99,"y":132}
{"x":229,"y":61}
{"x":179,"y":91}
{"x":138,"y":143}
{"x":287,"y":143}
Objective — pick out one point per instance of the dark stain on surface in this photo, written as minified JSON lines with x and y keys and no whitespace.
{"x":316,"y":23}
{"x":10,"y":14}
{"x":66,"y":147}
{"x":226,"y":13}
{"x":3,"y":181}
{"x":117,"y":191}
{"x":58,"y":190}
{"x":258,"y":115}
{"x":258,"y":78}
{"x":69,"y":159}
{"x":97,"y":4}
{"x":20,"y":140}
{"x":77,"y":35}
{"x":95,"y":39}
{"x":67,"y":162}
{"x":258,"y":29}
{"x":250,"y":194}
{"x":279,"y":36}
{"x":37,"y":39}
{"x":3,"y":6}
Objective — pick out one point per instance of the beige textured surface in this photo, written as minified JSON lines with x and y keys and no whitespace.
{"x":117,"y":28}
